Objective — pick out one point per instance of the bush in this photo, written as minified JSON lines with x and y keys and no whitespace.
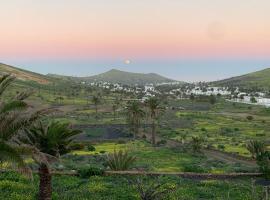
{"x":91,"y":148}
{"x":221,"y":147}
{"x":203,"y":129}
{"x":250,"y":118}
{"x":90,"y":171}
{"x":196,"y":144}
{"x":263,"y":161}
{"x":256,"y":148}
{"x":102,"y":152}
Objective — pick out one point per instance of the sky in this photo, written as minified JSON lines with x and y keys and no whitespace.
{"x":189,"y":40}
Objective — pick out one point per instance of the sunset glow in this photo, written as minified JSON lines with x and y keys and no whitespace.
{"x":138,"y":30}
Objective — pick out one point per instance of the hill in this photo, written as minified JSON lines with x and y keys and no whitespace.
{"x":122,"y":77}
{"x":256,"y":80}
{"x":24,"y":75}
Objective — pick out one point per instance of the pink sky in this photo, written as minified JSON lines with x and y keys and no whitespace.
{"x":135,"y":29}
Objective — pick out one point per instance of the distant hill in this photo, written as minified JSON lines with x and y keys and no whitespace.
{"x":256,"y":80}
{"x":23,"y":75}
{"x":122,"y":77}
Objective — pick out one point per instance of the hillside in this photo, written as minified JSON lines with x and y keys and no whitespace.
{"x":24,"y":75}
{"x":117,"y":76}
{"x":255,"y":80}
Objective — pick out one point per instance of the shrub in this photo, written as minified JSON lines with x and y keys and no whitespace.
{"x":91,"y":148}
{"x":263,"y":161}
{"x":90,"y":171}
{"x":255,"y":148}
{"x":196,"y":144}
{"x":120,"y":161}
{"x":203,"y":129}
{"x":152,"y":190}
{"x":221,"y":147}
{"x":250,"y":118}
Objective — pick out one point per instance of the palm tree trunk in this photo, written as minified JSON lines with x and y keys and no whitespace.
{"x":153,"y":133}
{"x":96,"y":111}
{"x":45,"y":185}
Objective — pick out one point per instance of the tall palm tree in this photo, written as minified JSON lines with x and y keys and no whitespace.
{"x":96,"y":99}
{"x":155,"y":108}
{"x":50,"y":142}
{"x":134,"y":116}
{"x":14,"y":118}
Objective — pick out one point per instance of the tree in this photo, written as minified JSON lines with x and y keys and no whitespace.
{"x":212,"y":99}
{"x":50,"y":142}
{"x":134,"y":116}
{"x":115,"y":106}
{"x":155,"y":108}
{"x":14,"y":118}
{"x":253,"y":99}
{"x":96,"y":99}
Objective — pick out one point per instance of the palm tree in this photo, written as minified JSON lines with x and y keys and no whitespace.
{"x":155,"y":109}
{"x":14,"y":117}
{"x":134,"y":116}
{"x":96,"y":99}
{"x":50,"y":142}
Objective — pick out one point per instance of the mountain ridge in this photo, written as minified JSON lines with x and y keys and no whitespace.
{"x":258,"y":79}
{"x":122,"y":77}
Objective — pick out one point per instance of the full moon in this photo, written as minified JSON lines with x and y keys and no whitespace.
{"x":127,"y":62}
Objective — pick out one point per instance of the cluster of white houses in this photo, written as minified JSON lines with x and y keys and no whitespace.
{"x":149,"y":90}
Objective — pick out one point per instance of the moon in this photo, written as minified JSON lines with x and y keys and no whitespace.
{"x":127,"y":61}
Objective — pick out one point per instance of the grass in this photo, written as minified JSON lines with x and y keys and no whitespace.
{"x":159,"y":159}
{"x":15,"y":187}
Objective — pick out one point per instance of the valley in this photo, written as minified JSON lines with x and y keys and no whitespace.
{"x":198,"y":129}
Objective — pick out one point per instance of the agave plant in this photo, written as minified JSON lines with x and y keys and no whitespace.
{"x":120,"y":161}
{"x":152,"y":189}
{"x":256,"y":148}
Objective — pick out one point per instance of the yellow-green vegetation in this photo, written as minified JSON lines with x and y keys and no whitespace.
{"x":15,"y":187}
{"x":159,"y":159}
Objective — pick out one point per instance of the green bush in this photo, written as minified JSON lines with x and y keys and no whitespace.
{"x":90,"y":171}
{"x":250,"y":117}
{"x":263,"y":161}
{"x":91,"y":148}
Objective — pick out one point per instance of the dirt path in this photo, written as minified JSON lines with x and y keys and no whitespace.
{"x":218,"y":155}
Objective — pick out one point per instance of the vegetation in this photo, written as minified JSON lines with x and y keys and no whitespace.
{"x":155,"y":109}
{"x":224,"y":138}
{"x":134,"y":116}
{"x":256,"y":148}
{"x":120,"y":161}
{"x":14,"y":117}
{"x":50,"y":142}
